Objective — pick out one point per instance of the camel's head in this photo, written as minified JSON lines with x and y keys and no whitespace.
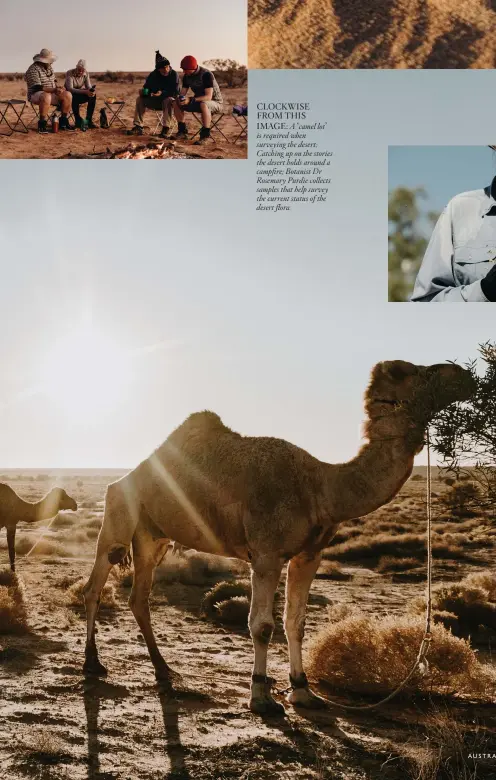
{"x":61,"y":500}
{"x":420,"y":391}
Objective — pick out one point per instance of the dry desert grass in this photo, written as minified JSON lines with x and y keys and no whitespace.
{"x":56,"y":726}
{"x":36,"y":146}
{"x":13,"y":607}
{"x":372,"y":34}
{"x":368,"y":655}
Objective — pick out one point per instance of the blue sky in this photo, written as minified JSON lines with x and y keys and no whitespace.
{"x":121,"y":34}
{"x":443,"y":171}
{"x":135,"y":293}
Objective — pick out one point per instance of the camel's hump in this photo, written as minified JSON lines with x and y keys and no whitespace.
{"x":203,"y":421}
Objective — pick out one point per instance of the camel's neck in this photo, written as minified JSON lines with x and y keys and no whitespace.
{"x":42,"y":510}
{"x":375,"y":475}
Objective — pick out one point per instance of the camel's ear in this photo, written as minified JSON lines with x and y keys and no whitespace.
{"x":397,"y":370}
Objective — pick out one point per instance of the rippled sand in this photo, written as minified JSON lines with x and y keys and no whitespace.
{"x":372,"y":33}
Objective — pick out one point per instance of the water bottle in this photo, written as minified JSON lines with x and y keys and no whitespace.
{"x":55,"y":123}
{"x":146,"y":91}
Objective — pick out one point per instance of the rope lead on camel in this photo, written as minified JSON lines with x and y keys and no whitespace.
{"x":421,"y":662}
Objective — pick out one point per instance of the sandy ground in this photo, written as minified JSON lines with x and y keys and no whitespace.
{"x":372,"y":33}
{"x":37,"y":146}
{"x":56,"y":725}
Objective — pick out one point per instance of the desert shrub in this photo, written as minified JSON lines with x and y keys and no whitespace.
{"x":130,"y":78}
{"x":64,"y":520}
{"x":449,"y":481}
{"x":483,"y":580}
{"x":388,"y":564}
{"x":123,"y":576}
{"x":386,"y":527}
{"x":417,"y":478}
{"x":445,"y":748}
{"x":401,"y":546}
{"x":94,"y":522}
{"x":468,"y":600}
{"x":45,"y":547}
{"x":75,"y":598}
{"x":88,"y":504}
{"x":112,"y":76}
{"x":92,"y":533}
{"x":330,"y":570}
{"x":345,"y":532}
{"x":66,"y":581}
{"x":368,"y":655}
{"x":448,"y":620}
{"x":461,"y":497}
{"x":234,"y":610}
{"x":40,"y":748}
{"x":221,"y":593}
{"x":194,"y":569}
{"x":13,"y":610}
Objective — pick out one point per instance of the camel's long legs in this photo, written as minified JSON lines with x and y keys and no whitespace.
{"x":147,"y":554}
{"x":92,"y":592}
{"x":301,"y":572}
{"x":264,"y":579}
{"x":11,"y":535}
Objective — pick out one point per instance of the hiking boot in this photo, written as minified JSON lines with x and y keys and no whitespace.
{"x":91,"y":125}
{"x":204,"y":136}
{"x":42,"y":126}
{"x":79,"y":122}
{"x":64,"y":123}
{"x":182,"y":130}
{"x":136,"y":130}
{"x":164,"y":133}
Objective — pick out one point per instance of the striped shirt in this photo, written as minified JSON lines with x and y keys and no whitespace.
{"x":38,"y":75}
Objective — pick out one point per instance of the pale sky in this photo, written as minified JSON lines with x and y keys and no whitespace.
{"x":443,"y":171}
{"x":121,"y":34}
{"x":135,"y":293}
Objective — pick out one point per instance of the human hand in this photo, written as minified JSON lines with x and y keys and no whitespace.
{"x":488,"y":284}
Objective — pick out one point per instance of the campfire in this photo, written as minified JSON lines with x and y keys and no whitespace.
{"x":151,"y":151}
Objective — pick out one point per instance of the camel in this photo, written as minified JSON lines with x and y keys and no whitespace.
{"x":14,"y":510}
{"x":265,"y":501}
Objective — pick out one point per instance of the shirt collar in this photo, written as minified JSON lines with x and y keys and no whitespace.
{"x":490,"y":192}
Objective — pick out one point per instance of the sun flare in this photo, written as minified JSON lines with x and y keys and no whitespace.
{"x":85,"y":373}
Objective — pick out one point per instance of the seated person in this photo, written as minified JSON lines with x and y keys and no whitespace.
{"x":44,"y":92}
{"x":78,"y":83}
{"x":159,"y":92}
{"x":207,"y":97}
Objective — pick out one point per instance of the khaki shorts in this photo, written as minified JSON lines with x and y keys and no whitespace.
{"x":36,"y":97}
{"x":195,"y":106}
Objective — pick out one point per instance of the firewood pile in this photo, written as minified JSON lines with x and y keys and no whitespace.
{"x":151,"y":151}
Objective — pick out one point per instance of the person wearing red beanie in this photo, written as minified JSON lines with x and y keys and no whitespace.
{"x":206,"y":100}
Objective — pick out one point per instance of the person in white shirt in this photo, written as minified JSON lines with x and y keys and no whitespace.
{"x":78,"y":83}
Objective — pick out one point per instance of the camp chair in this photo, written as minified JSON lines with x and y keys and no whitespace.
{"x":217,"y":120}
{"x":16,"y":107}
{"x":158,"y":121}
{"x":51,"y":111}
{"x":242,"y":121}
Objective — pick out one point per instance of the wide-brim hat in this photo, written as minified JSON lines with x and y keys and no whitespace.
{"x":46,"y":56}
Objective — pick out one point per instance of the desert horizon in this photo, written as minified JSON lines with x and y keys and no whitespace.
{"x":101,"y":143}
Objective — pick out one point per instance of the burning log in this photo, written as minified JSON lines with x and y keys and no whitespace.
{"x":151,"y":151}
